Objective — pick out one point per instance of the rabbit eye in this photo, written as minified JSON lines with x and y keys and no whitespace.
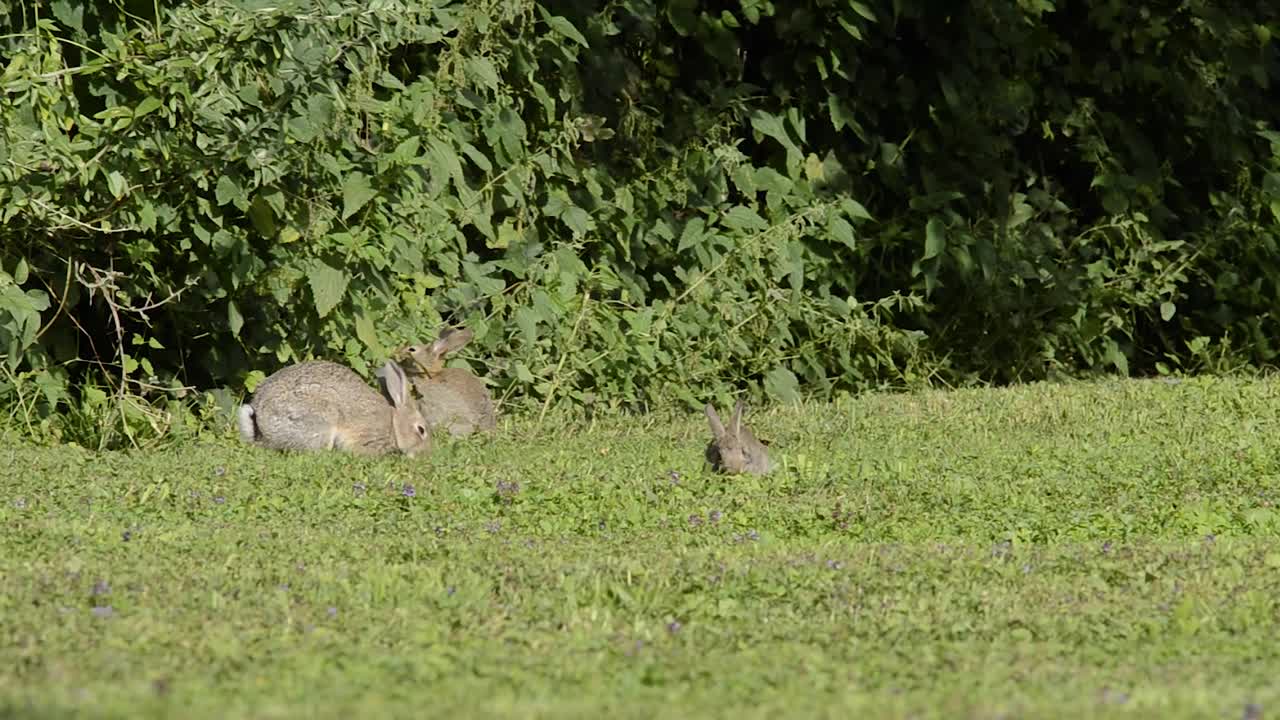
{"x":421,"y":430}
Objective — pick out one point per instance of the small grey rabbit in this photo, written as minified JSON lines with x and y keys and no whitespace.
{"x":320,"y":405}
{"x":735,"y":450}
{"x":450,"y":398}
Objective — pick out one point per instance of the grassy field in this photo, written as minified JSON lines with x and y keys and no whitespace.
{"x":1088,"y":550}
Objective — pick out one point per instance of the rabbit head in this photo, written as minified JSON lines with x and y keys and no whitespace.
{"x":428,"y":359}
{"x":408,"y":426}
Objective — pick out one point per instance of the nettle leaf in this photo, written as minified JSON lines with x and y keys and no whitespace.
{"x":841,"y":231}
{"x":328,"y":285}
{"x":782,"y":384}
{"x":741,"y":217}
{"x":935,"y":238}
{"x":693,"y":233}
{"x":854,"y":209}
{"x":228,"y":190}
{"x":480,"y":70}
{"x":367,"y":333}
{"x":234,"y":319}
{"x":774,"y":127}
{"x":563,"y":26}
{"x":356,"y":191}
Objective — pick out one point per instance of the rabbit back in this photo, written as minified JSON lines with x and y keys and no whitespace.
{"x":457,"y":401}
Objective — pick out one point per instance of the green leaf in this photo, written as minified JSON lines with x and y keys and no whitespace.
{"x":367,"y":333}
{"x":482,"y":71}
{"x":234,"y":318}
{"x":328,"y":285}
{"x":863,"y":10}
{"x":406,"y":151}
{"x":691,"y":235}
{"x":356,"y":191}
{"x":782,"y":384}
{"x":227,"y":190}
{"x":842,"y":231}
{"x":148,"y":104}
{"x":935,"y":238}
{"x":564,"y":27}
{"x":771,"y":180}
{"x":773,"y":126}
{"x":854,"y":210}
{"x":116,"y":184}
{"x":69,"y":14}
{"x":20,"y":272}
{"x":741,"y":217}
{"x":839,"y":112}
{"x":1167,"y":310}
{"x":262,"y":217}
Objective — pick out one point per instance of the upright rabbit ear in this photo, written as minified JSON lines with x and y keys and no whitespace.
{"x":451,"y":340}
{"x":736,"y":420}
{"x":717,"y":427}
{"x":393,"y":383}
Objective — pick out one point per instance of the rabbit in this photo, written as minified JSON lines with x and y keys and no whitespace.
{"x":450,"y":398}
{"x":735,"y":450}
{"x":320,"y":405}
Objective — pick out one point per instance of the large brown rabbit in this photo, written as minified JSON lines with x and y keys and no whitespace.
{"x":321,"y":405}
{"x":450,"y":398}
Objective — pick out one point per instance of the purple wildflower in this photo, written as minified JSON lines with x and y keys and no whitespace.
{"x":507,"y":490}
{"x":714,"y":517}
{"x":358,"y":488}
{"x":674,"y":626}
{"x":695,"y":520}
{"x":408,"y":491}
{"x":20,"y":503}
{"x":219,"y":500}
{"x":332,"y":611}
{"x":100,"y":588}
{"x":219,"y":471}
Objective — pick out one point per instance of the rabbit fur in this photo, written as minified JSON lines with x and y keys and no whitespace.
{"x":450,"y":398}
{"x":735,"y":450}
{"x":320,"y":405}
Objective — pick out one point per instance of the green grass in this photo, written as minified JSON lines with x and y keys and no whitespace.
{"x":1084,"y":550}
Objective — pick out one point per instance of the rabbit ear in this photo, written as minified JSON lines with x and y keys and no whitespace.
{"x":394,"y":383}
{"x":717,"y":427}
{"x":451,"y":340}
{"x":736,"y":420}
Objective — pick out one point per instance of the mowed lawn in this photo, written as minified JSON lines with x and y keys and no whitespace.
{"x":1082,"y":550}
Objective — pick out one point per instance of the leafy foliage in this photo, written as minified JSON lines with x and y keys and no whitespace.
{"x":632,"y":203}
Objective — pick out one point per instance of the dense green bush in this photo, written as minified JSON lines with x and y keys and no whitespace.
{"x":636,"y":203}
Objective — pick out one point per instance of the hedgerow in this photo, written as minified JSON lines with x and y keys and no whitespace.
{"x":632,"y":204}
